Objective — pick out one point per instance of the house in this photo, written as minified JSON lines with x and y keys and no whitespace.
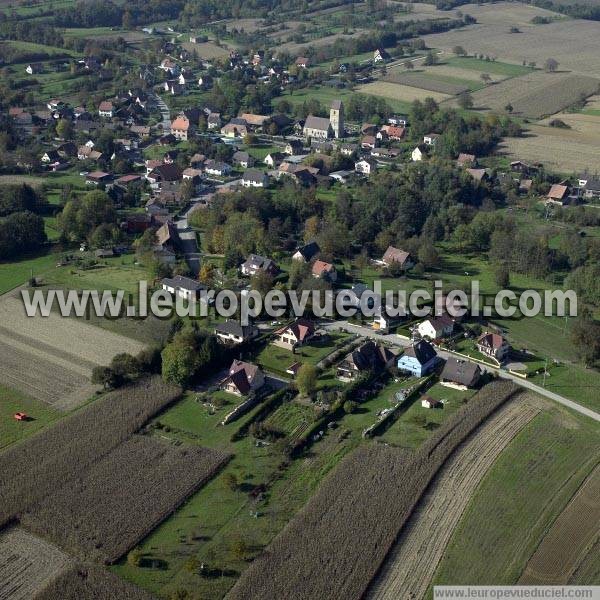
{"x":298,"y":333}
{"x":213,"y":121}
{"x":307,"y":252}
{"x":86,"y":153}
{"x":51,"y":156}
{"x":167,"y":238}
{"x":381,"y":55}
{"x":303,"y":62}
{"x":232,"y":332}
{"x":429,"y":402}
{"x":215,"y":167}
{"x":460,"y":374}
{"x":392,"y":132}
{"x":436,"y":328}
{"x":348,"y":149}
{"x":365,"y":166}
{"x":418,"y":359}
{"x":389,"y":153}
{"x":170,"y":67}
{"x":324,"y":270}
{"x":368,"y":129}
{"x":396,"y":256}
{"x":137,"y":223}
{"x":466,"y":159}
{"x":317,"y":127}
{"x":369,"y":356}
{"x":33,"y":69}
{"x":193,"y":174}
{"x":368,"y":142}
{"x":401,"y":120}
{"x":274,"y":159}
{"x":242,"y":159}
{"x":235,"y":128}
{"x":341,"y":176}
{"x":590,"y":184}
{"x":106,"y":109}
{"x":181,"y":128}
{"x":242,"y":378}
{"x":67,"y":150}
{"x":253,"y":121}
{"x":197,"y":161}
{"x":493,"y":345}
{"x":127,"y":180}
{"x":97,"y":178}
{"x":256,"y":263}
{"x":478,"y":175}
{"x":418,"y":153}
{"x":430,"y":139}
{"x":558,"y":194}
{"x":255,"y":178}
{"x":293,"y":147}
{"x":164,"y":172}
{"x":525,"y":186}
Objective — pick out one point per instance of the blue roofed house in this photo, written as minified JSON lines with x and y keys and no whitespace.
{"x":418,"y":359}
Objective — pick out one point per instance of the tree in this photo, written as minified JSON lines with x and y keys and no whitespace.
{"x":134,"y":558}
{"x":509,"y":108}
{"x":551,"y":65}
{"x":262,"y":282}
{"x":428,"y":255}
{"x":306,"y":379}
{"x":502,"y":276}
{"x":485,"y":77}
{"x":585,"y":335}
{"x":465,"y":100}
{"x":459,"y":51}
{"x":350,"y":406}
{"x":239,"y":547}
{"x":64,"y":129}
{"x":231,"y":481}
{"x":409,"y":65}
{"x":430,"y":59}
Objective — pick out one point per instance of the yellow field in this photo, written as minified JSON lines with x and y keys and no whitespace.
{"x":396,"y":91}
{"x":565,"y":150}
{"x":207,"y":50}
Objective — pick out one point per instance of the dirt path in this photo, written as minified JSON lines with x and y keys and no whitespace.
{"x":410,"y":566}
{"x":569,"y":538}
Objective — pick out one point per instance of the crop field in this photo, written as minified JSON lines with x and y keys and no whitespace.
{"x":396,"y":91}
{"x":569,"y":539}
{"x":527,"y":488}
{"x":51,"y":358}
{"x":33,"y":470}
{"x":292,"y":419}
{"x":358,"y":507}
{"x":537,"y":94}
{"x":207,"y":50}
{"x":87,"y":582}
{"x":574,"y":43}
{"x":27,"y":564}
{"x":411,"y":563}
{"x":476,"y":66}
{"x":122,"y":497}
{"x":433,"y":82}
{"x":563,"y":150}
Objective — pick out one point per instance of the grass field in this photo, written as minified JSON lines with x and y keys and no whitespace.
{"x":493,"y":67}
{"x":398,"y":92}
{"x":528,"y":486}
{"x":13,"y":401}
{"x":16,"y":273}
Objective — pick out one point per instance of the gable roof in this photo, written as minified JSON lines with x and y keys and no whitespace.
{"x":309,"y":250}
{"x":558,"y":191}
{"x":423,"y":351}
{"x":235,"y":328}
{"x":395,"y":255}
{"x":301,"y":328}
{"x":181,"y":123}
{"x":242,"y":375}
{"x":320,"y":123}
{"x":369,"y":357}
{"x":491,"y":340}
{"x":321,"y":267}
{"x":461,"y":371}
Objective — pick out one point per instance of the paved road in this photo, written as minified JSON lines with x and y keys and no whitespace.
{"x":189,"y":245}
{"x":165,"y":113}
{"x":400,"y":341}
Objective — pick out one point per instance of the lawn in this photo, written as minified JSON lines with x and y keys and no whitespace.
{"x":524,"y":491}
{"x":17,"y":273}
{"x":11,"y":402}
{"x":415,"y":423}
{"x":485,"y":66}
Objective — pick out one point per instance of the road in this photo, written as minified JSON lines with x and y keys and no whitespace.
{"x":189,"y":245}
{"x":164,"y":112}
{"x":400,"y":341}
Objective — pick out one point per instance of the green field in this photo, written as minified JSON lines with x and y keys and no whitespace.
{"x":17,"y":273}
{"x":11,"y":402}
{"x":485,"y":66}
{"x":524,"y":491}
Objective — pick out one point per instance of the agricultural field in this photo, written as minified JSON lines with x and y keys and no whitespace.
{"x":304,"y":560}
{"x":526,"y":489}
{"x":574,"y":43}
{"x":563,"y":150}
{"x":434,"y":81}
{"x":27,"y":564}
{"x":292,"y":418}
{"x":413,"y":559}
{"x":51,"y":358}
{"x":17,"y":273}
{"x":122,"y":497}
{"x":537,"y":94}
{"x":555,"y":559}
{"x":207,"y":50}
{"x":403,"y":93}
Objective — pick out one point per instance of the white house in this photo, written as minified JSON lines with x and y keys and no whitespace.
{"x":184,"y":287}
{"x":435,"y":328}
{"x":417,"y":154}
{"x":365,"y":166}
{"x":430,"y":139}
{"x":255,"y":178}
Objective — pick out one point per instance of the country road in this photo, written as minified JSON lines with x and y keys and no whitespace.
{"x":403,"y":342}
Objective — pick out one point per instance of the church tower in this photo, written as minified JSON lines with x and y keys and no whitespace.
{"x":336,"y":118}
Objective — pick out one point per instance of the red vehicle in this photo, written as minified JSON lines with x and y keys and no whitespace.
{"x":21,"y":416}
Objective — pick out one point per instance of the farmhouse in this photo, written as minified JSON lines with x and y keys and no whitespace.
{"x":255,"y":178}
{"x":436,"y":328}
{"x":232,"y":332}
{"x":367,"y":357}
{"x":460,"y":374}
{"x":274,"y":159}
{"x":307,"y":252}
{"x":418,"y":359}
{"x":395,"y":256}
{"x":184,"y":287}
{"x":558,"y":194}
{"x":242,"y":159}
{"x":256,"y":263}
{"x":98,"y":177}
{"x":494,"y":345}
{"x":365,"y":166}
{"x":181,"y":128}
{"x":242,"y":378}
{"x":392,"y":132}
{"x":298,"y":333}
{"x":324,"y":270}
{"x":106,"y":109}
{"x":419,"y":153}
{"x":303,"y":62}
{"x":215,"y":167}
